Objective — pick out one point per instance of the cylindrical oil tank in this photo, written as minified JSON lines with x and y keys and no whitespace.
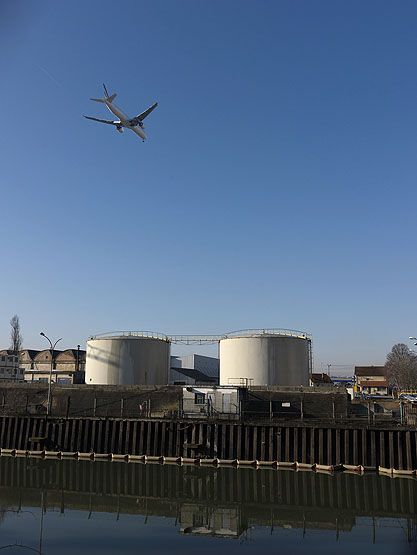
{"x":128,"y":358}
{"x":270,"y":357}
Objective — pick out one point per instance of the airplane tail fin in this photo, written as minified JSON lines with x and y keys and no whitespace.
{"x":109,"y":98}
{"x":104,"y":100}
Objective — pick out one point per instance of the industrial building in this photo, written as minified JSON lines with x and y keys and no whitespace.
{"x":9,"y":366}
{"x":209,"y":366}
{"x":68,"y":366}
{"x":219,"y":402}
{"x":247,"y":358}
{"x":194,"y":369}
{"x":35,"y":366}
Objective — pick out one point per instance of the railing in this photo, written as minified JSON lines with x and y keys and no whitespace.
{"x":207,"y":339}
{"x":194,"y":339}
{"x":117,"y":334}
{"x":267,"y":331}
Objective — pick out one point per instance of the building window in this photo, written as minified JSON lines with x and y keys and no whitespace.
{"x":199,"y":398}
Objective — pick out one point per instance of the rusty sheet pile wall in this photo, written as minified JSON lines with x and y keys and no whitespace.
{"x":201,"y":442}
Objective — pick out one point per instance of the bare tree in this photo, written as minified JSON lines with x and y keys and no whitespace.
{"x":401,"y":366}
{"x":16,"y":338}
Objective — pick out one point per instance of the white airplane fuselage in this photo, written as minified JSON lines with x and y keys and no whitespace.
{"x":124,"y":119}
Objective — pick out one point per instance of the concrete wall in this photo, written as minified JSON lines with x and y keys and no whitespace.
{"x":318,"y":403}
{"x":82,"y":400}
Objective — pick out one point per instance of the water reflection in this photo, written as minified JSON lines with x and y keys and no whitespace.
{"x":244,"y":504}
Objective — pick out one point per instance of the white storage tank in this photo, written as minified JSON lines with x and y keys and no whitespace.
{"x":265,"y":357}
{"x":128,"y":358}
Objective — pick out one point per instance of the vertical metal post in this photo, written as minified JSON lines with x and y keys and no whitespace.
{"x":310,"y":357}
{"x":48,"y":405}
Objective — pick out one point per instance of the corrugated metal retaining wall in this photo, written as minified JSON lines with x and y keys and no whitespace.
{"x":326,"y":446}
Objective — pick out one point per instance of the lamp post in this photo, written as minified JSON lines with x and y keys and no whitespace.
{"x":78,"y":358}
{"x":48,"y":404}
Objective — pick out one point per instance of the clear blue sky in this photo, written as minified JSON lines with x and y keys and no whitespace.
{"x":277,"y":188}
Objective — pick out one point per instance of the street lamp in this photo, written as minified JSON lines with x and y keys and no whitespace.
{"x":78,"y":358}
{"x":48,"y":404}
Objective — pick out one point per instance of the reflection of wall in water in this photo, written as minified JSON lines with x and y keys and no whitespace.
{"x":214,"y":521}
{"x":225,"y":501}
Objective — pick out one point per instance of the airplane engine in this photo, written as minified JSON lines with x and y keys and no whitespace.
{"x":119,"y":129}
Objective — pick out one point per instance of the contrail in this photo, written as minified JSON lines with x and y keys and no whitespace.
{"x":46,"y":72}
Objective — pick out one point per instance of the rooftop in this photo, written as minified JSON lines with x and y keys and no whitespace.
{"x":321,"y":378}
{"x":370,"y":371}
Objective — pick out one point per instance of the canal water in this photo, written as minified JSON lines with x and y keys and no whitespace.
{"x":70,"y":506}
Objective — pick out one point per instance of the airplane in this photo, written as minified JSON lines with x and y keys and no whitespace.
{"x":135,"y":123}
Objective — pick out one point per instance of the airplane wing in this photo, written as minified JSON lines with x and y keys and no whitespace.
{"x":143,"y":115}
{"x":110,"y":122}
